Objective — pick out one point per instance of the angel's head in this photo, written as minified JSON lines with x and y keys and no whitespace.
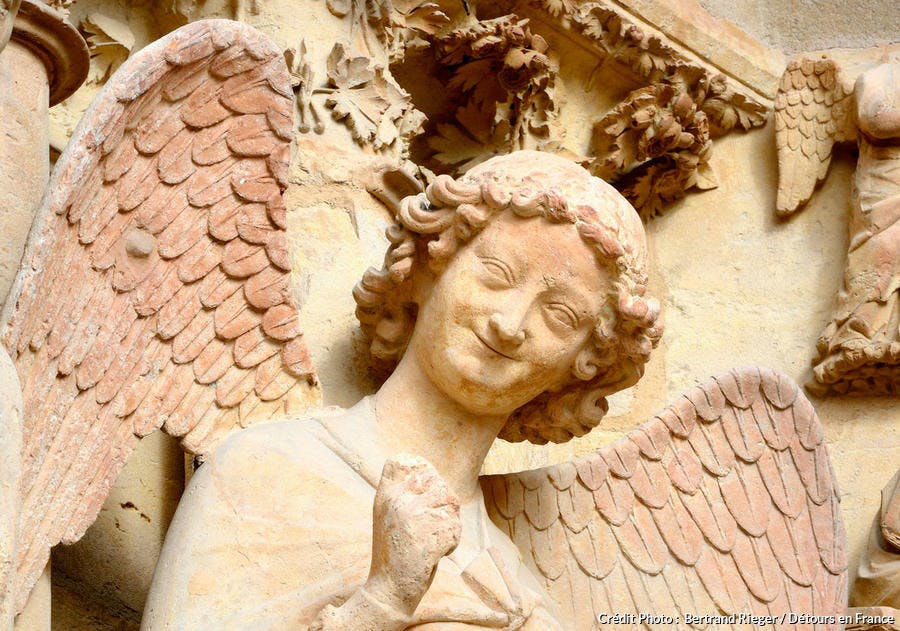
{"x":520,"y":288}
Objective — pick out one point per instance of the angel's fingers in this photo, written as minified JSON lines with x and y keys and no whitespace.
{"x":404,"y":466}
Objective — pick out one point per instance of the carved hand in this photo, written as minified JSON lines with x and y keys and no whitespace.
{"x":415,"y":523}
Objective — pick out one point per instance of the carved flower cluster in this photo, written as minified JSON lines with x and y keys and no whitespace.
{"x":503,"y":80}
{"x":506,"y":48}
{"x":655,"y":146}
{"x":433,"y":225}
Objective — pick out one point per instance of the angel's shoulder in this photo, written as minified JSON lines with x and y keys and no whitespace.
{"x":265,"y":531}
{"x":292,"y":459}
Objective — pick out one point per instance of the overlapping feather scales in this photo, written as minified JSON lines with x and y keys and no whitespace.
{"x":813,"y":110}
{"x":156,"y":285}
{"x":723,"y":503}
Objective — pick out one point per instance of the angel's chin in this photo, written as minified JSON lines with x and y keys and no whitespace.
{"x":482,"y":386}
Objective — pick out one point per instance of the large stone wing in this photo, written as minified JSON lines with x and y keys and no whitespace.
{"x":725,"y":503}
{"x":812,"y":112}
{"x":155,"y":289}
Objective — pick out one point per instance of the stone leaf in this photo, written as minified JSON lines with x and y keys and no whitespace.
{"x":458,"y":148}
{"x":377,"y":110}
{"x":363,"y":109}
{"x":110,"y":41}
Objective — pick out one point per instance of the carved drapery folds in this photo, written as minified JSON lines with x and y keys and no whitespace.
{"x":819,"y":105}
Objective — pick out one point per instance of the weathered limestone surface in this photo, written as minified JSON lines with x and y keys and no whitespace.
{"x":522,"y":328}
{"x":10,"y":465}
{"x":41,"y":66}
{"x":739,"y":286}
{"x":803,"y":25}
{"x":878,"y":580}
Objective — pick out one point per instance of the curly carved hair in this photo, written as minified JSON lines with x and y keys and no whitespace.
{"x":433,"y":225}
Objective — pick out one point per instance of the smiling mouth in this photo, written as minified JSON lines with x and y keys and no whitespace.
{"x":492,"y":347}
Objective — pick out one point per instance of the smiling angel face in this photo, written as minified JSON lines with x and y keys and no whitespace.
{"x":522,"y":283}
{"x":508,"y":317}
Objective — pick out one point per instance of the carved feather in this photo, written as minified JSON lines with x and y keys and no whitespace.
{"x":155,"y":290}
{"x":750,"y":521}
{"x":812,"y":112}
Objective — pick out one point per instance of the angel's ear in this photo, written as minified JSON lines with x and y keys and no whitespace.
{"x":587,"y":363}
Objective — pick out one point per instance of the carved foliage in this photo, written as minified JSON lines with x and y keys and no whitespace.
{"x":651,"y":58}
{"x":655,"y":162}
{"x":358,"y":91}
{"x":386,"y":28}
{"x":110,"y":41}
{"x":60,"y":5}
{"x":662,"y":132}
{"x":503,"y":78}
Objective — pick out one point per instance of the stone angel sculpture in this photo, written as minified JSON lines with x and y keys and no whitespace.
{"x":156,"y":293}
{"x":818,"y":105}
{"x":512,"y":302}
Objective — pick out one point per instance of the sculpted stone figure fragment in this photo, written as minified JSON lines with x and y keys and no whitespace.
{"x":512,"y":302}
{"x":817,"y":106}
{"x":878,"y":581}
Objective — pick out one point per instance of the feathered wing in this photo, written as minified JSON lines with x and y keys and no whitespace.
{"x":723,"y":503}
{"x":155,"y":289}
{"x":813,"y":111}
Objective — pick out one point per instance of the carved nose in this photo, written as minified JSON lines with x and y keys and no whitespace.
{"x":509,"y":334}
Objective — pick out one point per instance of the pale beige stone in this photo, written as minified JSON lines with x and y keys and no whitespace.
{"x":45,"y":62}
{"x":818,"y":106}
{"x":10,"y":472}
{"x":511,"y":301}
{"x":878,"y":578}
{"x":37,"y":613}
{"x":803,"y":25}
{"x":789,"y":302}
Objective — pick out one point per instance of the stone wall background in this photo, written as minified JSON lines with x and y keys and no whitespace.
{"x":738,"y":285}
{"x":795,"y":26}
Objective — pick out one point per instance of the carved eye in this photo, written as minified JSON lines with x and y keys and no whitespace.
{"x":498,"y":270}
{"x":563,"y":313}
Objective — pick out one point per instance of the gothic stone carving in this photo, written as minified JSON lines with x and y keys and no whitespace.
{"x":878,"y":580}
{"x":817,"y":106}
{"x":501,"y":84}
{"x":155,"y":295}
{"x":512,"y":301}
{"x":156,"y":286}
{"x":654,"y":146}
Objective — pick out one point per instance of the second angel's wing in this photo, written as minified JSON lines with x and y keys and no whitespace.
{"x":812,"y":112}
{"x":155,"y":289}
{"x":723,"y":504}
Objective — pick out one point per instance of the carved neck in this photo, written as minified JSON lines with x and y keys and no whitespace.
{"x":414,"y":416}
